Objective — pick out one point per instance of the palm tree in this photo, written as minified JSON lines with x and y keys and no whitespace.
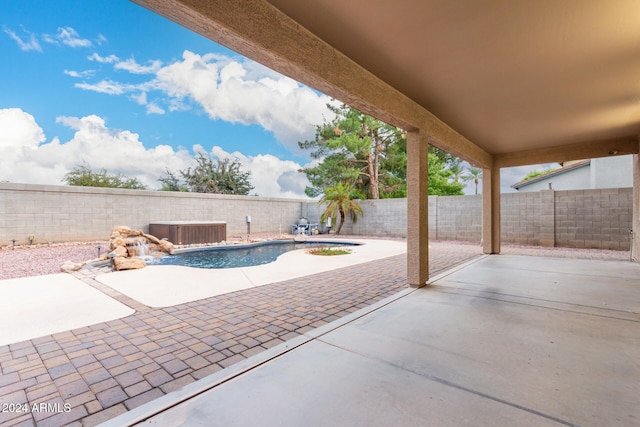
{"x":457,"y":170}
{"x":338,"y":199}
{"x":476,"y":175}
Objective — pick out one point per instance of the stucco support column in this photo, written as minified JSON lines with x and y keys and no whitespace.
{"x":491,"y":210}
{"x":635,"y":222}
{"x":417,"y":209}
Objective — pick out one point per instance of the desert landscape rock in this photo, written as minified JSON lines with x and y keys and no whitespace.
{"x":128,"y":248}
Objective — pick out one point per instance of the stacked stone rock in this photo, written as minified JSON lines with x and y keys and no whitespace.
{"x":125,"y":245}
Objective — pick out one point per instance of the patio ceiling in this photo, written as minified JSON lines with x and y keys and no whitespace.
{"x":494,"y":81}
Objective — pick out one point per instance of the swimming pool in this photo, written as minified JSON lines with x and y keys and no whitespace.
{"x":244,"y":256}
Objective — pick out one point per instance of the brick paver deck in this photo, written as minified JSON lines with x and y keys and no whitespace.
{"x":103,"y":370}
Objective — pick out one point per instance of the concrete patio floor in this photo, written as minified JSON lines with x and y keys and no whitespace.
{"x":504,"y":340}
{"x":106,"y":369}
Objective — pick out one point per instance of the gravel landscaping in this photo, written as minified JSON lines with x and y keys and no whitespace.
{"x":25,"y":261}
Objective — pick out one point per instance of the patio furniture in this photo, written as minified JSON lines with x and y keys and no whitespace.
{"x":303,"y":227}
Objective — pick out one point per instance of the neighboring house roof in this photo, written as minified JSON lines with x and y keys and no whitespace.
{"x":555,"y":172}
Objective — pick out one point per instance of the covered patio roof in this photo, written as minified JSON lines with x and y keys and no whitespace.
{"x":505,"y":77}
{"x":496,"y":83}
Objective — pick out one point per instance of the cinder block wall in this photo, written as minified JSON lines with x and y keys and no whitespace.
{"x":594,"y":218}
{"x":598,"y":219}
{"x":458,"y":218}
{"x":521,"y":218}
{"x":63,"y":213}
{"x":584,"y":218}
{"x":384,"y":217}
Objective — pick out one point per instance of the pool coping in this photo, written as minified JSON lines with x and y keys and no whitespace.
{"x":155,"y":286}
{"x":232,"y":246}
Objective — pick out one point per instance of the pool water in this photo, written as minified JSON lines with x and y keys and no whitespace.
{"x":225,"y":257}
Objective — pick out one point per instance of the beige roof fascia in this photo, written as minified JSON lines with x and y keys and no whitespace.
{"x":257,"y":30}
{"x":585,"y":150}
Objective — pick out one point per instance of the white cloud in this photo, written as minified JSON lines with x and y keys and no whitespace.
{"x":245,"y":93}
{"x":152,"y":108}
{"x":133,"y":67}
{"x":254,"y":70}
{"x":140,"y":98}
{"x":66,"y":35}
{"x":80,"y":74}
{"x":270,"y":176}
{"x":70,"y":37}
{"x":48,"y":38}
{"x":107,"y":86}
{"x":129,"y":65}
{"x":222,"y":88}
{"x":19,"y":129}
{"x":26,"y":158}
{"x":31,"y":43}
{"x":102,"y":59}
{"x":20,"y":135}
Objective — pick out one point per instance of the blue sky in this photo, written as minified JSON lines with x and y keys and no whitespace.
{"x":115,"y":86}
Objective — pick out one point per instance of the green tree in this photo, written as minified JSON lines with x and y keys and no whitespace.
{"x":537,"y":173}
{"x":439,"y":179}
{"x":446,"y":159}
{"x":462,"y":173}
{"x":372,"y":155}
{"x":82,"y":175}
{"x":340,"y":204}
{"x":357,"y":148}
{"x":171,"y":182}
{"x":210,"y":176}
{"x":459,"y":172}
{"x":476,"y":175}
